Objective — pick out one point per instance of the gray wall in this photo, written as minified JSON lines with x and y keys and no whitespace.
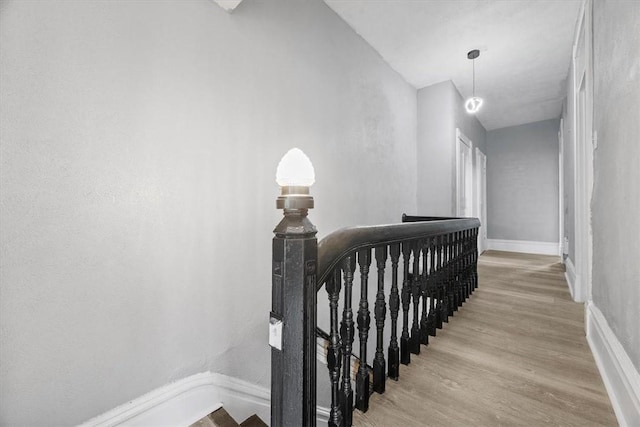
{"x":522,"y":182}
{"x":616,"y":191}
{"x":139,"y":148}
{"x":435,"y":155}
{"x":440,"y":112}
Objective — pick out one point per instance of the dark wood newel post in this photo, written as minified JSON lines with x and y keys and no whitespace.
{"x":293,"y":316}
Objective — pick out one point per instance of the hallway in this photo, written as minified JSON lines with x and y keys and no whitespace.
{"x":514,"y":354}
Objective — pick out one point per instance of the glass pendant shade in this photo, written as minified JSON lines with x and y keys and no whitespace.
{"x":295,"y":170}
{"x":473,"y":104}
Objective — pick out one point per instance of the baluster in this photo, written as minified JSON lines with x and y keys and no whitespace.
{"x":463,"y":266}
{"x":445,"y":277}
{"x":405,"y":356}
{"x":394,"y":306}
{"x":452,"y":275}
{"x":475,"y":258}
{"x":424,"y":323}
{"x":334,"y":355}
{"x":462,"y":297}
{"x":379,"y":377}
{"x":415,"y":292}
{"x":468,"y":264}
{"x":457,"y":272}
{"x":452,"y":270}
{"x":431,"y":285}
{"x":346,"y":331}
{"x":440,"y":307}
{"x":465,"y":263}
{"x":448,"y":274}
{"x":364,"y":321}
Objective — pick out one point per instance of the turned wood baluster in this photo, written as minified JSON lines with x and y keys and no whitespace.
{"x":394,"y":306}
{"x":346,"y":332}
{"x":380,"y":311}
{"x":440,"y":307}
{"x":448,"y":284}
{"x":405,"y":356}
{"x":454,"y":279}
{"x":424,"y":332}
{"x":475,"y":258}
{"x":364,"y":321}
{"x":458,"y":271}
{"x":334,"y":354}
{"x":432,"y":289}
{"x":416,"y":291}
{"x":444,"y":299}
{"x":463,"y":283}
{"x":469,"y":262}
{"x":465,"y":264}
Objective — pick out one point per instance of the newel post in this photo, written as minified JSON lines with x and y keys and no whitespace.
{"x":292,"y":328}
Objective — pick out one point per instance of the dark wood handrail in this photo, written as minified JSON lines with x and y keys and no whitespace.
{"x":339,"y":244}
{"x":418,"y":218}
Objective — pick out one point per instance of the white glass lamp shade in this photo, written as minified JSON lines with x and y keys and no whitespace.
{"x":473,"y":104}
{"x":295,"y":170}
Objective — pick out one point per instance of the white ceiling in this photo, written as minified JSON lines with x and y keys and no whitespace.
{"x":525,"y":49}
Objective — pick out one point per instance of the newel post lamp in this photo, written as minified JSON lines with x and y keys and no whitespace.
{"x":292,"y":323}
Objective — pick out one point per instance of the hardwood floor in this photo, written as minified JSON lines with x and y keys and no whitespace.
{"x":514,"y":354}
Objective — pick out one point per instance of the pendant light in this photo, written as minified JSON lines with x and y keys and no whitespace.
{"x":473,"y":104}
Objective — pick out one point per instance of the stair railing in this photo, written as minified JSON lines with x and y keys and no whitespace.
{"x":433,"y":271}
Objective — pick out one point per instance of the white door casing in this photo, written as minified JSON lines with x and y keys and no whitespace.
{"x":480,"y":205}
{"x":464,"y":176}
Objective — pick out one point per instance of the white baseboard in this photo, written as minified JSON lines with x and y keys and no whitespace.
{"x":619,"y":375}
{"x":524,"y":246}
{"x":186,"y":401}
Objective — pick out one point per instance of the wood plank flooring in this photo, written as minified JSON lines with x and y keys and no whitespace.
{"x":514,"y":354}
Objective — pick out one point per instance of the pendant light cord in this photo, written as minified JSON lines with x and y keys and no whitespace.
{"x":473,"y":61}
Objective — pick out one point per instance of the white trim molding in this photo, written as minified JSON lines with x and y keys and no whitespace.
{"x":184,"y":402}
{"x":570,"y":276}
{"x":620,"y":376}
{"x":523,"y":246}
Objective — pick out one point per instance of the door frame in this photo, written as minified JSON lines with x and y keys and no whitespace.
{"x":561,"y":246}
{"x":462,"y":138}
{"x":480,"y":168}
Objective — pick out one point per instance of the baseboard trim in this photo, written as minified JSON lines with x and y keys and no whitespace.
{"x":186,"y":401}
{"x":620,"y":377}
{"x":524,"y":246}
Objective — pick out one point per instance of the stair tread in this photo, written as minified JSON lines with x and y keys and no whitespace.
{"x":253,"y":421}
{"x":203,"y":422}
{"x":221,"y":418}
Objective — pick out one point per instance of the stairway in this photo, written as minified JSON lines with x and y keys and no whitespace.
{"x":221,"y":418}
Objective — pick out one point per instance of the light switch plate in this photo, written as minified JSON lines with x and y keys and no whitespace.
{"x":275,"y":331}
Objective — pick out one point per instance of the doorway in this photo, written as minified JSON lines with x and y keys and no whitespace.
{"x":464,"y":176}
{"x":480,"y":201}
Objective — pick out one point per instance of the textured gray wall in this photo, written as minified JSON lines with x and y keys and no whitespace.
{"x":440,"y":112}
{"x":139,"y":148}
{"x":522,"y":182}
{"x":616,"y":192}
{"x":436,"y":133}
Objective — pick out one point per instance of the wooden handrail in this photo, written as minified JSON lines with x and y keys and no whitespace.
{"x":334,"y":247}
